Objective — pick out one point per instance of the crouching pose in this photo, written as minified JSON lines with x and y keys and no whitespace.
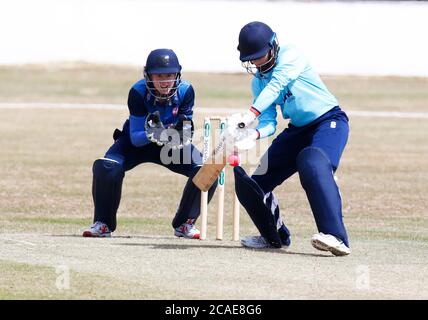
{"x":159,"y":124}
{"x":311,"y":145}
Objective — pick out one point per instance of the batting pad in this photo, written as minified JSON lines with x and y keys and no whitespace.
{"x":252,"y":198}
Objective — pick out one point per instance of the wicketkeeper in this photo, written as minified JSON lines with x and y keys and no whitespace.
{"x":159,"y":129}
{"x":312,"y":144}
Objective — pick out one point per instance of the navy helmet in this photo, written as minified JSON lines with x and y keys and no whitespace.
{"x":162,"y":61}
{"x":256,"y":39}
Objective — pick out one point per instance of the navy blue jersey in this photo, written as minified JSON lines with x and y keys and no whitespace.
{"x":141,"y":103}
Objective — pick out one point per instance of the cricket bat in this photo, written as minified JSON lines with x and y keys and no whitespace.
{"x":210,"y":170}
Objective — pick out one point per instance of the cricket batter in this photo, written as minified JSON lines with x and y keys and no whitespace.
{"x":311,"y":145}
{"x":159,"y":123}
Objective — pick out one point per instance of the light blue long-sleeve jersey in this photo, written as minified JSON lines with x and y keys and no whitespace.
{"x":295,"y":87}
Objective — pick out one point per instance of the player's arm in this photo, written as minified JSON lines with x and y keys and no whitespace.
{"x":186,"y":107}
{"x":289,"y":67}
{"x":267,"y":122}
{"x":137,"y":119}
{"x":184,"y":124}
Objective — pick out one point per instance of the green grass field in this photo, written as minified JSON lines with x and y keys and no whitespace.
{"x":46,"y":160}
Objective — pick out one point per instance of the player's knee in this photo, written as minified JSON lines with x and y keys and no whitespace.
{"x":194,"y":170}
{"x":312,"y":163}
{"x":107,"y":169}
{"x":243,"y":183}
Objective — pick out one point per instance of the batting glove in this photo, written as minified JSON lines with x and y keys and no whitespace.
{"x":244,"y":119}
{"x":245,"y":139}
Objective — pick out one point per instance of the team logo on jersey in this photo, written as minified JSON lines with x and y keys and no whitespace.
{"x":175,"y":111}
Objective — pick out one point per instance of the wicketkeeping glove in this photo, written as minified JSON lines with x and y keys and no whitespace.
{"x":185,"y":128}
{"x":154,"y":129}
{"x":180,"y":134}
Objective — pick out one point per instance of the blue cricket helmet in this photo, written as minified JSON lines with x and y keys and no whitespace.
{"x":162,"y":61}
{"x":255,"y":41}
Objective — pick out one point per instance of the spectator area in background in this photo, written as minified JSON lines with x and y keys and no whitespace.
{"x":363,"y":38}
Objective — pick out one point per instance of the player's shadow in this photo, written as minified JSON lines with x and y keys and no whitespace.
{"x":114,"y":237}
{"x":320,"y":255}
{"x":200,"y":245}
{"x":214,"y":246}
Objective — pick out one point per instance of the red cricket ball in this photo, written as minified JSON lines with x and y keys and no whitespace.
{"x":234,"y":160}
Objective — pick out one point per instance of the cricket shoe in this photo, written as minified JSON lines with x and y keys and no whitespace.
{"x":187,"y":230}
{"x":259,"y":242}
{"x":97,"y":230}
{"x":327,"y":242}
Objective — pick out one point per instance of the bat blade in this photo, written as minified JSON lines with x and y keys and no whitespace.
{"x":209,"y":173}
{"x":210,"y":170}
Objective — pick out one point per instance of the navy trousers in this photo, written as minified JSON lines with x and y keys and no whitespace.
{"x":186,"y":161}
{"x":314,"y":151}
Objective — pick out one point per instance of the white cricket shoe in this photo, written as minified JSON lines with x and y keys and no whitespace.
{"x":327,"y":242}
{"x":258,"y":242}
{"x":187,"y":230}
{"x":97,"y":230}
